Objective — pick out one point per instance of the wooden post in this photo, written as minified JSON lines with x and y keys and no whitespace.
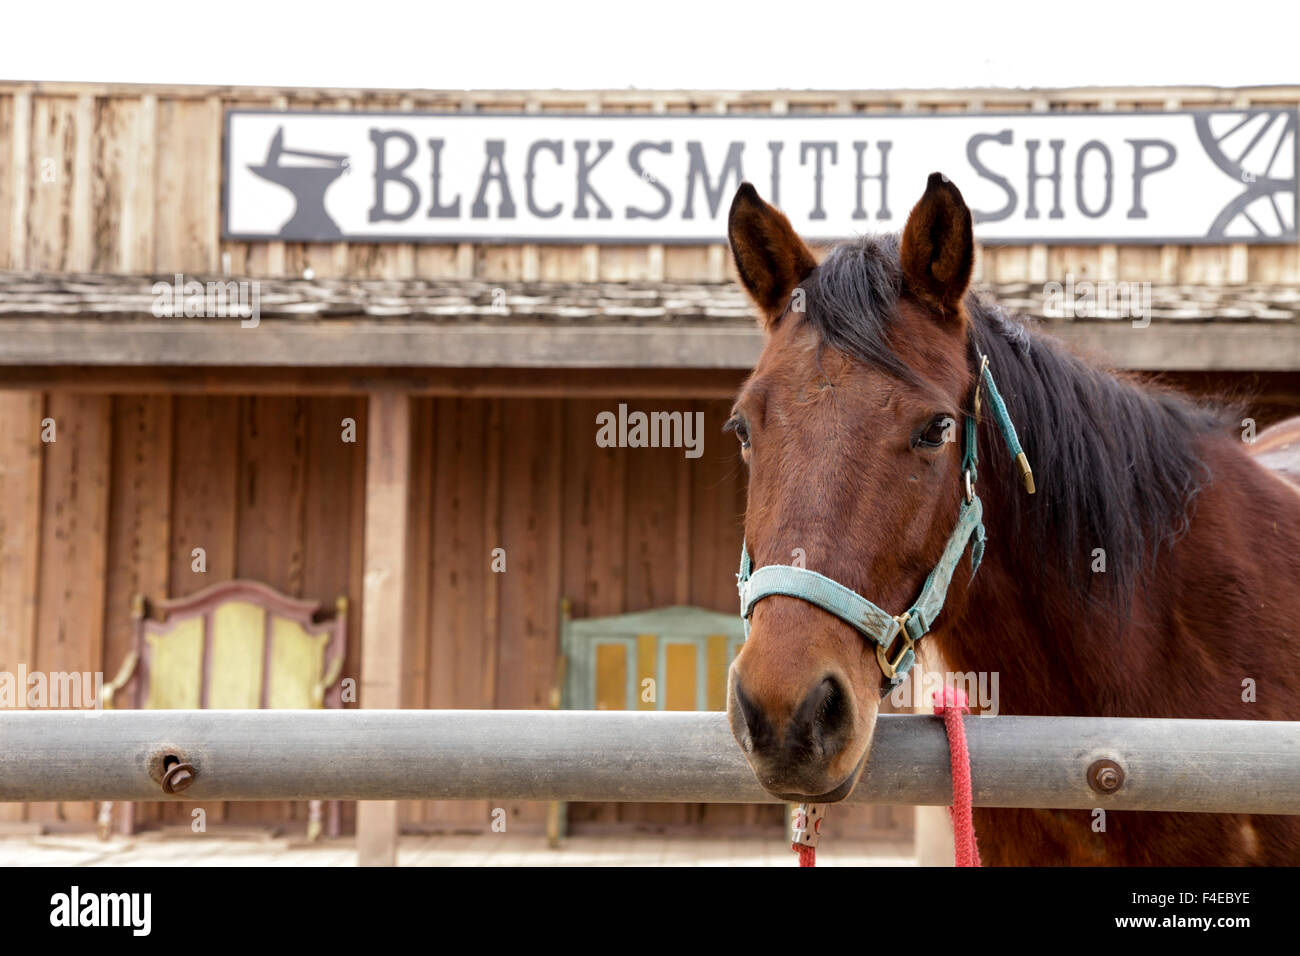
{"x":388,"y":457}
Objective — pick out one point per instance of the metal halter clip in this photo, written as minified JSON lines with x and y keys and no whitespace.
{"x":807,"y":824}
{"x":890,"y":667}
{"x":970,"y":488}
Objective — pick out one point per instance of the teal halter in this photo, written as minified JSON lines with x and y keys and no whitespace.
{"x":852,"y":608}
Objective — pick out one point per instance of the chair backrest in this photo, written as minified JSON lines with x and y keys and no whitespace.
{"x":685,"y":651}
{"x":239,"y":645}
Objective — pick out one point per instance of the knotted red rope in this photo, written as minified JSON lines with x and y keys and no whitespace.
{"x":966,"y":852}
{"x":808,"y":816}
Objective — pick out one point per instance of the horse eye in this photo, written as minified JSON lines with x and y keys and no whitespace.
{"x":737,"y":425}
{"x":940,"y":430}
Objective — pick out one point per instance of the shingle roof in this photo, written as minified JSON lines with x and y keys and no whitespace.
{"x":441,"y":301}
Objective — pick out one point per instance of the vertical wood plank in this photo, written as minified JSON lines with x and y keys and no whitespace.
{"x":139,"y":538}
{"x":205,"y":514}
{"x":492,"y":536}
{"x":15,"y":186}
{"x":595,"y":514}
{"x":47,"y":231}
{"x":189,"y":141}
{"x":657,"y":479}
{"x":529,"y":590}
{"x":139,"y":530}
{"x":74,"y":547}
{"x":21,"y":468}
{"x":420,"y":548}
{"x":272,"y":478}
{"x":654,"y":490}
{"x":205,"y":490}
{"x":462,"y":569}
{"x":356,"y":566}
{"x":112,"y":182}
{"x":80,"y":233}
{"x":595,"y":560}
{"x":388,"y":474}
{"x":717,"y":513}
{"x":330,"y":496}
{"x":141,"y":201}
{"x":270,"y":535}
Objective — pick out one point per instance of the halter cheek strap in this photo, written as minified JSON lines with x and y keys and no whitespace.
{"x":870,"y":620}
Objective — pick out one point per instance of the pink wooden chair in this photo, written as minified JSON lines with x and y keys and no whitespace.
{"x":237,"y":644}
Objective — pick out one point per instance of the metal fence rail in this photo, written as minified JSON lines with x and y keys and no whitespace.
{"x":1189,"y":765}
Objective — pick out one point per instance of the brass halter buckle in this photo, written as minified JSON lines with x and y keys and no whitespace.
{"x":888,"y":666}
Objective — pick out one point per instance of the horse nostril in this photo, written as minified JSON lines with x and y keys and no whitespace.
{"x":754,"y":732}
{"x":826,"y":713}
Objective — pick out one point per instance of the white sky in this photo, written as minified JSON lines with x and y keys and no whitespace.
{"x":696,"y":44}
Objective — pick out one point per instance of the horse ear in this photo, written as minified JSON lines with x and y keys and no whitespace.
{"x":938,"y":248}
{"x":770,"y":256}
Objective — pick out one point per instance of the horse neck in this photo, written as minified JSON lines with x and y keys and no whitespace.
{"x":1218,"y":605}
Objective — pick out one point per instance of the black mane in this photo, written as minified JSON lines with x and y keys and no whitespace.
{"x":1115,"y":462}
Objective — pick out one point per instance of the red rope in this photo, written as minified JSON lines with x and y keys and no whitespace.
{"x":966,"y":851}
{"x":807,"y":831}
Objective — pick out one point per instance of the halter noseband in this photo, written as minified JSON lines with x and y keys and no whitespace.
{"x":867,"y":618}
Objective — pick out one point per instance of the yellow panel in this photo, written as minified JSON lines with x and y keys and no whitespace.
{"x":717,"y":672}
{"x":647,"y":646}
{"x":239,"y":629}
{"x":611,"y":677}
{"x":297,"y":664}
{"x":679,"y":689}
{"x":176,"y":669}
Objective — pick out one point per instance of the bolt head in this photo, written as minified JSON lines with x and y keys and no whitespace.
{"x":178,"y":778}
{"x":1105,"y":776}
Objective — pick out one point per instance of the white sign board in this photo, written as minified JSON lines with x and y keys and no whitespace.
{"x":1156,"y":177}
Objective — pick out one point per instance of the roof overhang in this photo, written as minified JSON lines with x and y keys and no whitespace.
{"x":339,"y":326}
{"x":34,"y":342}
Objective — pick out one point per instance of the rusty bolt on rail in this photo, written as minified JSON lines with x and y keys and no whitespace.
{"x":177,"y":776}
{"x":1105,"y":776}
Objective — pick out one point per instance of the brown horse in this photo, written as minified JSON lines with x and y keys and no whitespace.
{"x":1155,"y":573}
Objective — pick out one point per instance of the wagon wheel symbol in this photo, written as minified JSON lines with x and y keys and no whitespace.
{"x":1248,"y":151}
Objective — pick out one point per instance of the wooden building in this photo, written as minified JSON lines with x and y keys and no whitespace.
{"x":472,"y":374}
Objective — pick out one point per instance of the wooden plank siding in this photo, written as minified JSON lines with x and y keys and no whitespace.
{"x":268,"y":488}
{"x":614,"y":530}
{"x":119,"y":502}
{"x":116,"y":178}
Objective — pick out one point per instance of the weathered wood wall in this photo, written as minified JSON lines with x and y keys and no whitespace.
{"x":270,"y":490}
{"x":612,"y":529}
{"x":130,"y":486}
{"x":127,"y":179}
